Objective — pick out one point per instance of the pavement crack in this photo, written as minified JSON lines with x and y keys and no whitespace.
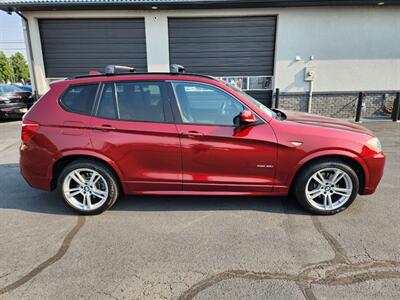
{"x":340,"y":252}
{"x":107,"y":294}
{"x":333,"y":272}
{"x":367,"y":253}
{"x":233,"y":274}
{"x":4,"y":275}
{"x":342,"y":274}
{"x":38,"y":269}
{"x":307,"y":291}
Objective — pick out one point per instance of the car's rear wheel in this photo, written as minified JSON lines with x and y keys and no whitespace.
{"x":326,"y":187}
{"x":88,"y":187}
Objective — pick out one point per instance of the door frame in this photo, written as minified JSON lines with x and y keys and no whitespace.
{"x":257,"y":189}
{"x":141,"y":186}
{"x":168,"y":111}
{"x":177,"y":114}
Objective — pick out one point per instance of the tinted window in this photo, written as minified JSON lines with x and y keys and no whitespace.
{"x":107,"y":107}
{"x":133,"y":101}
{"x":261,"y":106}
{"x":80,"y":98}
{"x":204,"y":104}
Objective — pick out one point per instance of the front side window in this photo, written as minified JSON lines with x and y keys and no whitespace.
{"x":79,"y":98}
{"x":259,"y":105}
{"x":133,"y":101}
{"x":204,"y":104}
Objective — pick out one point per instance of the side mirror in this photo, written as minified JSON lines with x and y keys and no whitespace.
{"x":247,"y":117}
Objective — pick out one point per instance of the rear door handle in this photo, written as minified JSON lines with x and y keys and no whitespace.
{"x":193,"y":134}
{"x":104,"y":127}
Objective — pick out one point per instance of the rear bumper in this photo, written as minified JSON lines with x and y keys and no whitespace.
{"x":37,"y":182}
{"x":376,"y":165}
{"x":13,"y":108}
{"x":35,"y":175}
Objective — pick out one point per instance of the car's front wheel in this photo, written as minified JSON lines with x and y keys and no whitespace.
{"x":326,"y":187}
{"x":88,"y":187}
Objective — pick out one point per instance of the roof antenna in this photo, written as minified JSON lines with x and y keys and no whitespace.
{"x":177,"y":68}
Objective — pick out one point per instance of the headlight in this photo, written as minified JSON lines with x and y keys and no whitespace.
{"x":374,"y":144}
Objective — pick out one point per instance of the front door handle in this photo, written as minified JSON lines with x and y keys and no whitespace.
{"x":193,"y":134}
{"x":104,"y":127}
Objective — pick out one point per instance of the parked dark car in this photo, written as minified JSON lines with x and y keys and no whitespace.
{"x":14,"y":100}
{"x":27,"y":88}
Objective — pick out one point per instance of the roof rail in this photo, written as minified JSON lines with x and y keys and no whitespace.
{"x":144,"y":73}
{"x":174,"y":68}
{"x":111,"y":69}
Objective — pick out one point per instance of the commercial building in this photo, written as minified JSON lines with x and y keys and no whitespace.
{"x":323,"y":51}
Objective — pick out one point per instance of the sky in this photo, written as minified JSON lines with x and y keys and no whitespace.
{"x":11,"y":34}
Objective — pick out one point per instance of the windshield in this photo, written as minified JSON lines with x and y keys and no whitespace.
{"x":259,"y":105}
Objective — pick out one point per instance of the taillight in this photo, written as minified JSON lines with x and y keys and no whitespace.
{"x":28,"y":130}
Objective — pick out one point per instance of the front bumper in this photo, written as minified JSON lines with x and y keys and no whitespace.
{"x":376,"y":165}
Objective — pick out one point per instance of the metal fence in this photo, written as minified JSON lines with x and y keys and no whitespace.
{"x":351,"y":105}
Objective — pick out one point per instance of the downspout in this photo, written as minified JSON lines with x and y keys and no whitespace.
{"x":310,"y":96}
{"x":29,"y":45}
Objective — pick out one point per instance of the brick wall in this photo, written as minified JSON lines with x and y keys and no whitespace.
{"x":340,"y":105}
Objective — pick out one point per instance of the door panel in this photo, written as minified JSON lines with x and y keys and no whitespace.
{"x":225,"y":158}
{"x":133,"y":128}
{"x":148,"y":154}
{"x":218,"y":155}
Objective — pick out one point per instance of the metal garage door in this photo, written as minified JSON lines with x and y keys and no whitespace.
{"x":76,"y":46}
{"x":224,"y":47}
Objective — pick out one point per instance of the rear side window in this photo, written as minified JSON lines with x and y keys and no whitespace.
{"x":107,"y":108}
{"x":133,"y":101}
{"x":79,"y":98}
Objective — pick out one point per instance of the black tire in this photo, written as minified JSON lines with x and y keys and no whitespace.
{"x":105,"y":171}
{"x":306,"y":173}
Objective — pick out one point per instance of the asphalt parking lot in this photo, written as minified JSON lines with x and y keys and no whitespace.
{"x":198,"y":247}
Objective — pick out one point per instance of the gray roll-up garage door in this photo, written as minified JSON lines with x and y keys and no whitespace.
{"x":228,"y":46}
{"x":76,"y":46}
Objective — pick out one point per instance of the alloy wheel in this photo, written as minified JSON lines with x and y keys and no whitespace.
{"x":329,"y":189}
{"x":85,"y":189}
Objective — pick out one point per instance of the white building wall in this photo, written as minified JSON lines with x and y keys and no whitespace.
{"x":355,"y":48}
{"x":157,"y":43}
{"x":36,"y":67}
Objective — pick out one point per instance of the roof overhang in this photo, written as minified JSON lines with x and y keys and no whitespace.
{"x":46,"y":5}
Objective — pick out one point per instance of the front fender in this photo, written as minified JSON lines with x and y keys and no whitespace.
{"x":331,"y":153}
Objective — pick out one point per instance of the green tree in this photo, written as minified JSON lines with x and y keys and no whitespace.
{"x":20,"y":67}
{"x":6,"y":71}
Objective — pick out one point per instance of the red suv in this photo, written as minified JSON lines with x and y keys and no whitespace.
{"x":95,"y":137}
